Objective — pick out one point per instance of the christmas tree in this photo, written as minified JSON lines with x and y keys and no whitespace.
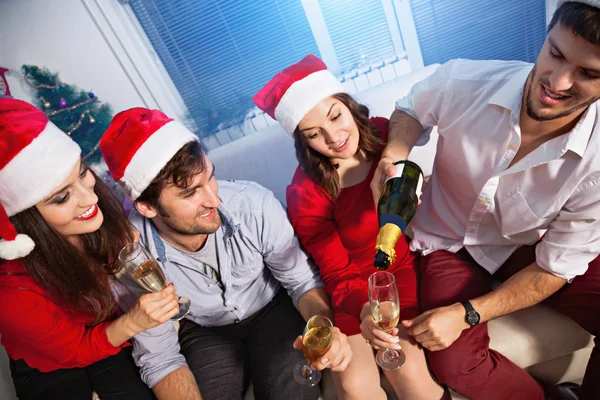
{"x":77,"y":112}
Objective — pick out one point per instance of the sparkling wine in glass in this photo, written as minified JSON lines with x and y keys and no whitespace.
{"x":385,"y":308}
{"x":315,"y":343}
{"x":144,"y":269}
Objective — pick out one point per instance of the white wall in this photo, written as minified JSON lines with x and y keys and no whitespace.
{"x":61,"y":35}
{"x":550,"y":8}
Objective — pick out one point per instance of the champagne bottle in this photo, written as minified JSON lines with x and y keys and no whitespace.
{"x":396,"y":208}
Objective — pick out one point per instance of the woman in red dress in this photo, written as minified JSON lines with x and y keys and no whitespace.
{"x":61,"y":231}
{"x":331,"y":207}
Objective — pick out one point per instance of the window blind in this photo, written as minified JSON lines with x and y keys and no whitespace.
{"x":358,"y":30}
{"x":479,"y":29}
{"x":220,"y":52}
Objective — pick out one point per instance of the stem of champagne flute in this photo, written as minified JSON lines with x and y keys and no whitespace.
{"x":306,"y":371}
{"x":390,"y":355}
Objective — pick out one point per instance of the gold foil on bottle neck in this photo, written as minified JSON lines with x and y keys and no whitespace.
{"x":388,"y":236}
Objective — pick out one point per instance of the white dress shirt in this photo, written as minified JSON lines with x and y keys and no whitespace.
{"x":474,"y":200}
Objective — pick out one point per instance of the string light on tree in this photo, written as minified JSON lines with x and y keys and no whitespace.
{"x":84,"y":114}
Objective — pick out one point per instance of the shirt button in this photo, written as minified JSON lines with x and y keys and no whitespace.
{"x":483,"y":201}
{"x":471,"y":231}
{"x":512,"y":147}
{"x":477,"y":215}
{"x":237,"y":321}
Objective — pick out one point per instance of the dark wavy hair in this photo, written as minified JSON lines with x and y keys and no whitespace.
{"x":319,"y":167}
{"x":77,"y":277}
{"x":581,"y":19}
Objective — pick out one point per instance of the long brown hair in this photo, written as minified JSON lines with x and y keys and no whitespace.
{"x":319,"y":167}
{"x":77,"y":279}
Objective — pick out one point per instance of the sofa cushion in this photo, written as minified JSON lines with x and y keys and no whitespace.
{"x":536,"y":335}
{"x":267,"y":157}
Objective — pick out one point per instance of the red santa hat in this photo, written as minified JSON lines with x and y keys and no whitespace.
{"x":35,"y":158}
{"x":593,"y":3}
{"x":138,"y":144}
{"x":293,"y":92}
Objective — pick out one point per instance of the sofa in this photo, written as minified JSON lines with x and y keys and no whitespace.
{"x":547,"y":344}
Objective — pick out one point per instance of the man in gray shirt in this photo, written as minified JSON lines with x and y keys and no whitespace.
{"x":230,"y":249}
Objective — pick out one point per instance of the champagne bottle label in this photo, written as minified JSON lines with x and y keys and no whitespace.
{"x":398,"y":174}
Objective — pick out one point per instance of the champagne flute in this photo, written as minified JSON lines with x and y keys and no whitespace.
{"x":385,"y":308}
{"x":144,"y":269}
{"x":315,"y":343}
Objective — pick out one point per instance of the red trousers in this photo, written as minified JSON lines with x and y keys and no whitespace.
{"x":469,"y":366}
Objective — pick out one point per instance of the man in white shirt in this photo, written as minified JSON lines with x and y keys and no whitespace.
{"x":514,"y":195}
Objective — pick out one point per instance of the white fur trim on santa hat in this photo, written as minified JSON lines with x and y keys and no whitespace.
{"x":18,"y":248}
{"x":593,"y":3}
{"x":37,"y":170}
{"x":303,"y":95}
{"x":153,"y":155}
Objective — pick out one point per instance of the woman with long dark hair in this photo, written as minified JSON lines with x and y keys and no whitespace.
{"x":61,"y":231}
{"x":331,"y":207}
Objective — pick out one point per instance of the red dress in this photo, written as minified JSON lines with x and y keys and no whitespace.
{"x":340,"y":236}
{"x":45,"y":335}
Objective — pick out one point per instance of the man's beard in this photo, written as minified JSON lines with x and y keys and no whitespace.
{"x":192,"y":230}
{"x":549,"y":117}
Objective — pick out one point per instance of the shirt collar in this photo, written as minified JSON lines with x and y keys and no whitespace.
{"x":509,"y":96}
{"x":579,"y":137}
{"x":230,"y":224}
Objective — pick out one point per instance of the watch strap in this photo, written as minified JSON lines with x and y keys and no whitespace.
{"x":468,"y":306}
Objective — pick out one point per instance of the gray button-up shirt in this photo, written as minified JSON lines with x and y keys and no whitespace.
{"x":257,"y":252}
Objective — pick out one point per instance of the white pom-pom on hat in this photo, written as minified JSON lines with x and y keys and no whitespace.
{"x":19,"y":247}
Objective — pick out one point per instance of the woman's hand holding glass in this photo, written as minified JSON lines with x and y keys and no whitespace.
{"x":370,"y":330}
{"x":145,"y":270}
{"x":153,"y":309}
{"x":384,"y":302}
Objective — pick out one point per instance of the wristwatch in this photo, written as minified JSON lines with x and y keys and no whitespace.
{"x":472,"y":317}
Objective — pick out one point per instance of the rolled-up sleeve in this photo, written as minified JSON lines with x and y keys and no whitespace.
{"x":573,"y":238}
{"x":156,"y":351}
{"x":282,"y":252}
{"x":426,"y":99}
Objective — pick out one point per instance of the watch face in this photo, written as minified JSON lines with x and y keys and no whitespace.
{"x":473,"y":318}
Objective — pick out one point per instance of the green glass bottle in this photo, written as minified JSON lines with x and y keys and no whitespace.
{"x":396,"y":208}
